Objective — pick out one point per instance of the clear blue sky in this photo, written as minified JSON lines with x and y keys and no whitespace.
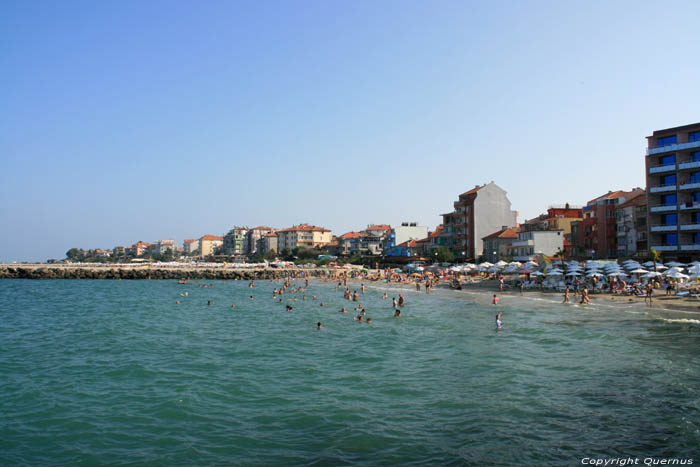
{"x":130,"y":120}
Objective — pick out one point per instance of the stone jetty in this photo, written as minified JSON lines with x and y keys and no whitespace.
{"x":152,"y":272}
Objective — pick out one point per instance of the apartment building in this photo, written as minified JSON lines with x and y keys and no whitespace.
{"x":303,"y":236}
{"x":254,"y":237}
{"x":477,"y":213}
{"x":234,"y":242}
{"x":497,"y":244}
{"x":673,"y":192}
{"x":208,"y":243}
{"x":632,"y":227}
{"x":190,"y":246}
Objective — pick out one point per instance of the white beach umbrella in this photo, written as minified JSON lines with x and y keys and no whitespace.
{"x":670,"y":271}
{"x":651,"y":275}
{"x":674,"y":264}
{"x":501,"y":263}
{"x":594,"y":274}
{"x":538,"y":273}
{"x":554,"y":272}
{"x":573,"y":273}
{"x":617,"y":274}
{"x":677,"y":275}
{"x":639,"y":271}
{"x":694,"y":269}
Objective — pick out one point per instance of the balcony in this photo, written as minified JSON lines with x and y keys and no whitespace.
{"x":665,"y":247}
{"x":663,"y":208}
{"x":692,"y":185}
{"x":662,"y":168}
{"x":687,"y":165}
{"x":664,"y":228}
{"x":690,"y":247}
{"x":690,"y":227}
{"x":523,"y":243}
{"x":689,"y":206}
{"x":662,"y":188}
{"x":673,"y":148}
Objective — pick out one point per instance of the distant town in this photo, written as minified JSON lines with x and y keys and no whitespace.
{"x":662,"y":220}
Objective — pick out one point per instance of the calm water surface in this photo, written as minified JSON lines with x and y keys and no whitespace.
{"x":114,"y":372}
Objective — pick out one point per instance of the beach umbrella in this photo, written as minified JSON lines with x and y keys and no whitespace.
{"x":617,"y":274}
{"x":674,"y":264}
{"x":594,"y":274}
{"x":694,"y":269}
{"x":671,"y":271}
{"x":639,"y":271}
{"x":554,"y":272}
{"x":573,"y":273}
{"x":501,"y":263}
{"x":537,"y":273}
{"x":651,"y":275}
{"x":677,"y":275}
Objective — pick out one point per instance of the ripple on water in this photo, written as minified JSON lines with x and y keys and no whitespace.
{"x":114,"y":371}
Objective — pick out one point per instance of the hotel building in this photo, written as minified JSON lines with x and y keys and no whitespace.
{"x":673,"y":192}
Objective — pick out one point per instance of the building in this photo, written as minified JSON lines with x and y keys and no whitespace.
{"x":534,"y":242}
{"x":138,"y":249}
{"x":435,"y":240}
{"x":632,"y":227}
{"x":345,"y":243}
{"x":162,"y":246}
{"x":303,"y":236}
{"x":373,"y":239}
{"x":234,"y":242}
{"x":497,"y":244}
{"x":208,"y":243}
{"x":190,"y":246}
{"x":119,"y":250}
{"x":268,"y":243}
{"x":597,"y":232}
{"x":253,"y":239}
{"x":477,"y":213}
{"x":399,"y":235}
{"x":673,"y":192}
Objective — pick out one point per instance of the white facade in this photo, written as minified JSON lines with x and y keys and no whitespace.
{"x":529,"y":244}
{"x":405,"y":233}
{"x":491,"y":212}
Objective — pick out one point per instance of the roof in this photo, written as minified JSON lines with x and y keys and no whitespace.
{"x":379,"y":227}
{"x":511,"y":232}
{"x":676,"y":129}
{"x":409,"y":244}
{"x":191,"y":240}
{"x":349,"y":235}
{"x":472,"y":191}
{"x":618,"y":194}
{"x":211,"y":238}
{"x":305,"y":227}
{"x":271,"y":234}
{"x":262,"y":228}
{"x":639,"y":200}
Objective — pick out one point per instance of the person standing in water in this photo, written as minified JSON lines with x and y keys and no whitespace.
{"x":495,"y":299}
{"x":394,"y":302}
{"x":566,"y":295}
{"x":499,"y":323}
{"x":401,"y":300}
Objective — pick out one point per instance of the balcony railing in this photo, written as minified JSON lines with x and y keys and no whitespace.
{"x":687,"y":206}
{"x":694,"y":247}
{"x":673,"y":148}
{"x":662,"y":168}
{"x":687,"y":165}
{"x":663,"y":208}
{"x":662,"y":188}
{"x":664,"y":228}
{"x":691,"y":185}
{"x":690,"y":227}
{"x":665,"y":247}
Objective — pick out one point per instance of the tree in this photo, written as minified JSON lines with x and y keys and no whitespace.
{"x":444,"y":255}
{"x":256,"y":258}
{"x":270,"y":255}
{"x":74,"y":254}
{"x":357,"y":259}
{"x":655,"y":256}
{"x":286,"y":254}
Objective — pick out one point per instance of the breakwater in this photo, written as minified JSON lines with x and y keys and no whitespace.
{"x":142,"y":272}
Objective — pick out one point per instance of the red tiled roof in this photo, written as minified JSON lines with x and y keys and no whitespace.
{"x":379,"y":227}
{"x":640,"y":200}
{"x":349,"y":235}
{"x":271,"y":234}
{"x":190,"y":240}
{"x":472,"y":191}
{"x":438,"y":231}
{"x":408,"y":243}
{"x":504,"y":233}
{"x":211,"y":237}
{"x":305,"y":227}
{"x":262,"y":228}
{"x":618,"y":194}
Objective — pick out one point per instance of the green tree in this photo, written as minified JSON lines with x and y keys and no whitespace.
{"x":286,"y":254}
{"x":256,"y":258}
{"x":270,"y":255}
{"x":444,"y":255}
{"x":74,"y":254}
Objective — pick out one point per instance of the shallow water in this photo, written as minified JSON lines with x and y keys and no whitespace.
{"x":115,"y":372}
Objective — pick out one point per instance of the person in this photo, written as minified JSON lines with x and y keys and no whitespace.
{"x":233,"y":306}
{"x":500,"y":284}
{"x":363,"y":288}
{"x":401,"y":300}
{"x":208,"y":302}
{"x":499,"y":323}
{"x":355,"y":296}
{"x":342,"y":310}
{"x":394,"y":302}
{"x":177,"y":302}
{"x":522,"y":286}
{"x":251,"y":297}
{"x":289,"y":308}
{"x":385,"y":295}
{"x":368,"y":320}
{"x":650,"y":292}
{"x":417,"y":285}
{"x":358,"y":318}
{"x":318,"y":325}
{"x":566,"y":295}
{"x":495,"y":299}
{"x":397,"y":313}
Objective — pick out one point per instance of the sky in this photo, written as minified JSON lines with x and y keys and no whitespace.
{"x":127,"y":121}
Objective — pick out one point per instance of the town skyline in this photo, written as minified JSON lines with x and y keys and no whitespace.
{"x":128,"y":122}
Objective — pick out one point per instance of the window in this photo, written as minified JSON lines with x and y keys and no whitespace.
{"x":667,"y":141}
{"x":696,"y":217}
{"x":671,"y":239}
{"x":695,"y":156}
{"x":694,"y":136}
{"x":669,"y":200}
{"x":695,"y":177}
{"x":667,"y":180}
{"x":671,"y":219}
{"x":697,"y":238}
{"x":696,"y":197}
{"x":668,"y":160}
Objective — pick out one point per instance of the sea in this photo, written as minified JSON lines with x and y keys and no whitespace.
{"x":116,"y":372}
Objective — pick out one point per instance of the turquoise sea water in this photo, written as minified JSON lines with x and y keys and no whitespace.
{"x":114,"y":372}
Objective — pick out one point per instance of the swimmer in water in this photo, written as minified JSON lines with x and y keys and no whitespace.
{"x":495,"y":299}
{"x":368,"y":320}
{"x":342,"y":310}
{"x":385,"y":295}
{"x":177,"y":302}
{"x":394,"y":302}
{"x":499,"y":323}
{"x":208,"y":302}
{"x":251,"y":297}
{"x":401,"y":300}
{"x":318,"y":325}
{"x":397,"y":313}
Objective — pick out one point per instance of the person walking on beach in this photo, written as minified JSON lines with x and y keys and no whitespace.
{"x":500,"y":284}
{"x":522,"y":286}
{"x":650,"y":292}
